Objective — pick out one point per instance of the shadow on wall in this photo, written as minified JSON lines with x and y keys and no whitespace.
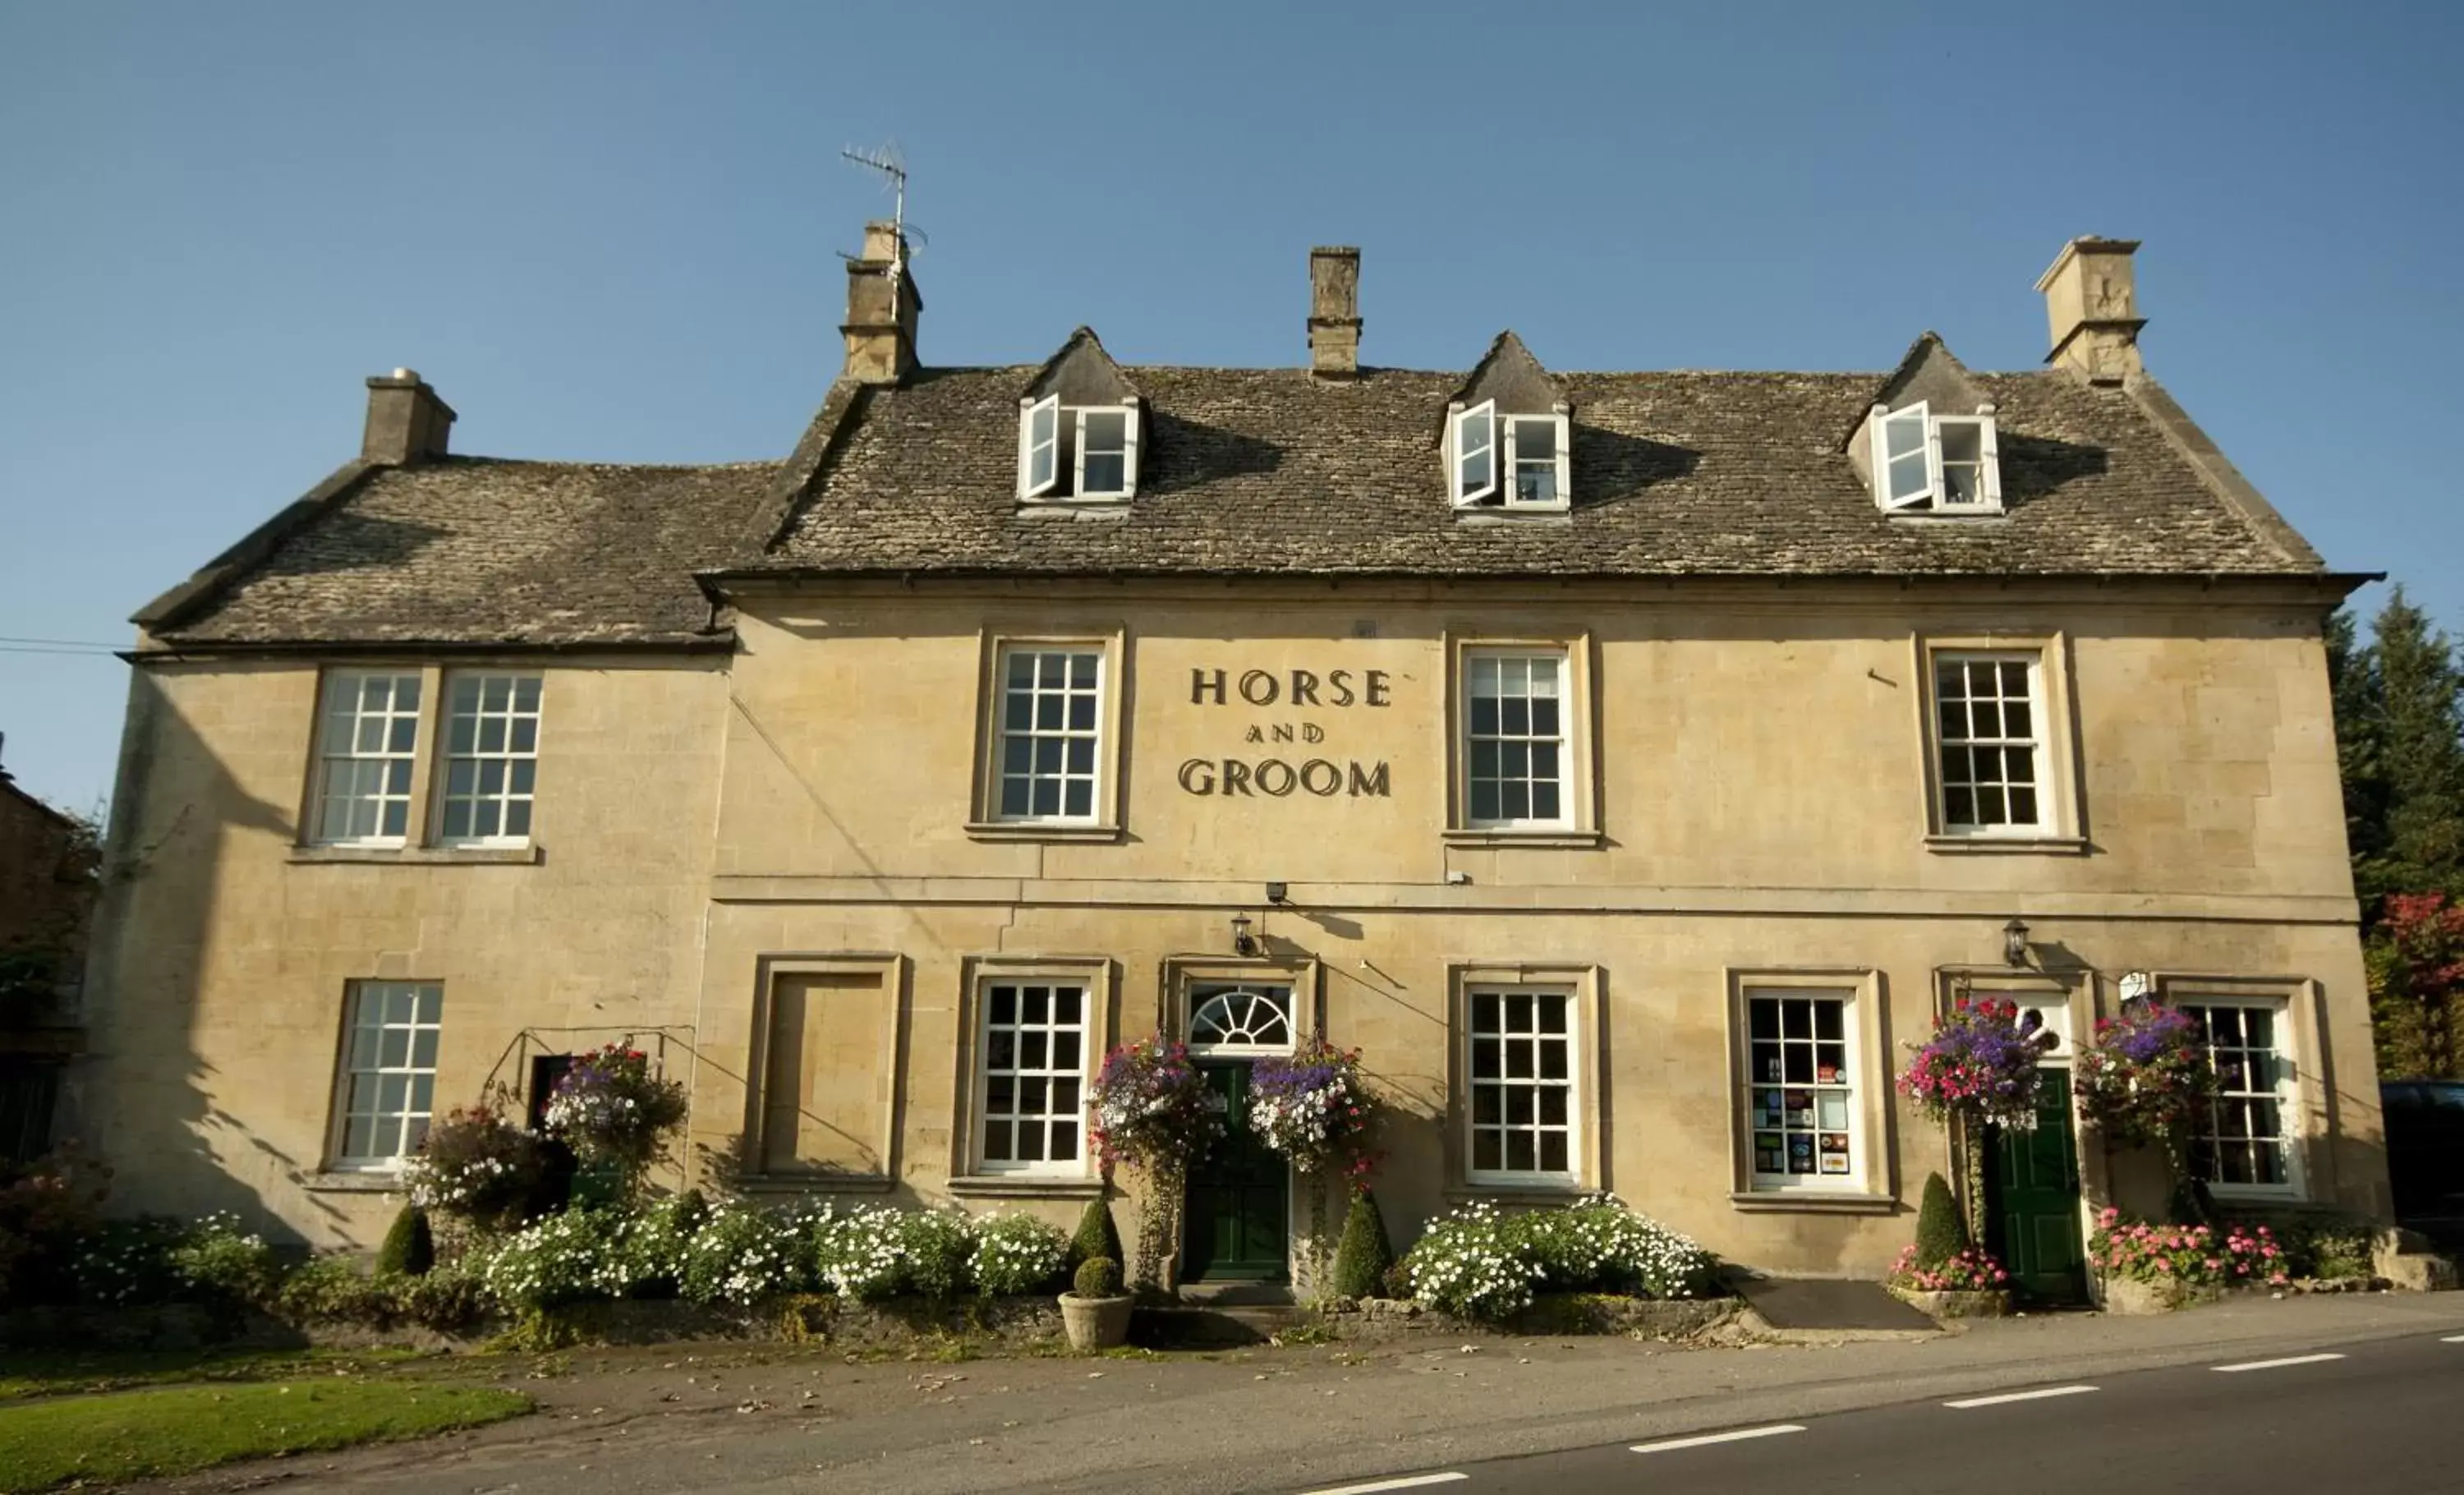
{"x":181,"y":1136}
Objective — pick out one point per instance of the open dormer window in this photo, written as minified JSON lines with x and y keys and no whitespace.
{"x":1073,"y":452}
{"x":1926,"y":463}
{"x":1529,"y":473}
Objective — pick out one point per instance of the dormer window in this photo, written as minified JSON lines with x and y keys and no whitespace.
{"x":1926,"y":463}
{"x":1529,"y":473}
{"x":1077,"y":452}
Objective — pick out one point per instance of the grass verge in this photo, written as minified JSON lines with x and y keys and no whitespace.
{"x":52,"y":1373}
{"x":136,"y":1434}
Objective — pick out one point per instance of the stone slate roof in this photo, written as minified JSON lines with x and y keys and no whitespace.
{"x":1243,"y":472}
{"x":482,"y":551}
{"x":1272,"y":471}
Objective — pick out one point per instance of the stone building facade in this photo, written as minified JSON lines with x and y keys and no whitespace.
{"x":46,"y":899}
{"x":1630,"y":765}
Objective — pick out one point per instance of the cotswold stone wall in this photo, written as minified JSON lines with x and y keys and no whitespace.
{"x":805,"y":827}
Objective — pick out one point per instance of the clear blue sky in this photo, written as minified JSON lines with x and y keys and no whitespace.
{"x":608,"y":231}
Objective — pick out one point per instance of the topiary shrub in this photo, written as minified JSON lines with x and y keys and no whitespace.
{"x":1097,"y":1236}
{"x":1940,"y":1233}
{"x":1098,"y":1277}
{"x":1362,"y":1257}
{"x":409,"y":1248}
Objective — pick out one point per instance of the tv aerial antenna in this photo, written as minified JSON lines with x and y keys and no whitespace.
{"x":893,"y":167}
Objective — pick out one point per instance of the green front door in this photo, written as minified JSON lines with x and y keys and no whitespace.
{"x":1238,"y":1195}
{"x":2033,"y":1189}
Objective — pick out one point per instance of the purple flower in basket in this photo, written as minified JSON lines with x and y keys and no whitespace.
{"x":1312,"y":1107}
{"x":1980,"y":1064}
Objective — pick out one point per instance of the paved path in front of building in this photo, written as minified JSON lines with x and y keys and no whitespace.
{"x":741,"y":1418}
{"x":1810,"y":1304}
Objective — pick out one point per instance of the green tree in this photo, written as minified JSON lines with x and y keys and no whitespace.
{"x":2353,"y":679}
{"x":2419,"y":744}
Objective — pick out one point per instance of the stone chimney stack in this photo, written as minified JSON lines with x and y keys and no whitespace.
{"x":1335,"y":311}
{"x":883,"y":306}
{"x":2094,"y":309}
{"x":406,"y":422}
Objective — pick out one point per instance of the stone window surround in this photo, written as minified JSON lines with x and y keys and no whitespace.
{"x":385,"y":1169}
{"x":1581,"y":830}
{"x":323,"y":757}
{"x":2307,"y":1112}
{"x":2062,"y":827}
{"x":1101,"y":977}
{"x":1111,"y":640}
{"x":895,"y":975}
{"x":1177,"y":974}
{"x":418,"y":845}
{"x":1587,"y":1013}
{"x":1874,"y":1191}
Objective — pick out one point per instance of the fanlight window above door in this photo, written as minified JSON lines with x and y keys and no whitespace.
{"x":1240,"y":1020}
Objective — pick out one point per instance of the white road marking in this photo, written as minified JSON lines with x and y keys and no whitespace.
{"x":2018,"y":1396}
{"x":1667,"y":1445}
{"x":2452,"y":1339}
{"x":1408,"y":1483}
{"x":2270,"y":1365}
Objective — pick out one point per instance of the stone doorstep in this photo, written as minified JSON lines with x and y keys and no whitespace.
{"x":1191,"y":1325}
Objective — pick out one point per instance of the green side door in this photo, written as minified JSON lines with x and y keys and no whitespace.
{"x":2032,"y":1189}
{"x":1237,"y":1219}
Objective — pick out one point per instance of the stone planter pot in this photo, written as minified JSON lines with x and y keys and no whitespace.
{"x":1096,"y":1323}
{"x":1955,"y":1303}
{"x":2129,"y":1295}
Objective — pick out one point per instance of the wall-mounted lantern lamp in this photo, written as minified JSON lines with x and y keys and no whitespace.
{"x":1277,"y":893}
{"x":1244,"y":943}
{"x":2014,"y":943}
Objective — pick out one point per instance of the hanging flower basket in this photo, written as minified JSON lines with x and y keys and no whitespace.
{"x":2144,"y":1075}
{"x":1152,"y":1108}
{"x":1980,"y":1065}
{"x":1313,"y":1109}
{"x":614,"y":1112}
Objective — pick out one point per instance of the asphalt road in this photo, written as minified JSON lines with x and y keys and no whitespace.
{"x":2387,"y":1415}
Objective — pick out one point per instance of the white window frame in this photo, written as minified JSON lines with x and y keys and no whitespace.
{"x":426,"y":1021}
{"x":1571,"y":1084}
{"x":1568,"y":726}
{"x":1098,"y":737}
{"x":510,"y":761}
{"x":1197,"y":995}
{"x":1128,"y":411}
{"x":1934,"y":496}
{"x":397,"y":761}
{"x":1032,"y":413}
{"x":1511,"y":468}
{"x":2040,"y":744}
{"x":1850,"y":1084}
{"x":1462,"y":425}
{"x":2285,"y":1092}
{"x":1089,"y":993}
{"x":1041,"y":423}
{"x":1988,"y":464}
